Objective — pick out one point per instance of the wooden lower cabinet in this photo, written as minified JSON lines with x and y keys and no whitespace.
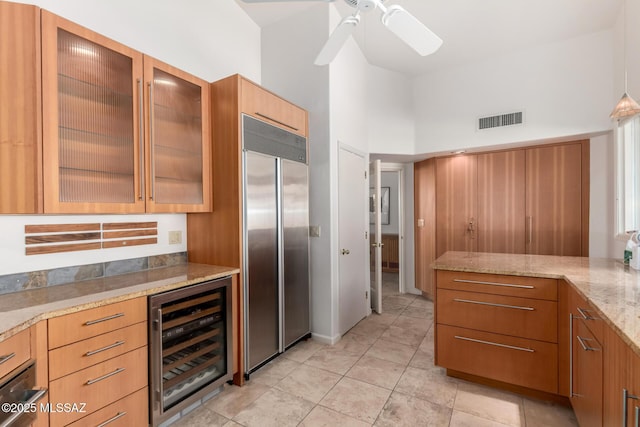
{"x":586,"y":390}
{"x":502,"y":328}
{"x":129,"y":411}
{"x":621,"y":387}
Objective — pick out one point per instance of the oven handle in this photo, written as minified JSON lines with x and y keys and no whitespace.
{"x":14,"y":416}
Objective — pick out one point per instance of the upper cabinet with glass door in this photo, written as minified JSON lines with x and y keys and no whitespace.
{"x":103,"y":115}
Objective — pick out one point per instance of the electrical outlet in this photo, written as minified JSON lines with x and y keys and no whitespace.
{"x":175,"y":237}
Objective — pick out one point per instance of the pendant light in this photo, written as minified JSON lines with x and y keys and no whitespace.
{"x":627,"y":106}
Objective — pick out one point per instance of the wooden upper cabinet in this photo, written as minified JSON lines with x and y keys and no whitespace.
{"x":456,"y":204}
{"x":177,"y":140}
{"x":554,"y":200}
{"x":122,"y":132}
{"x":264,"y":105}
{"x":501,"y":207}
{"x":20,"y":110}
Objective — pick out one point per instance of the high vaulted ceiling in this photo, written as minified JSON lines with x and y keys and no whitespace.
{"x":471,"y":29}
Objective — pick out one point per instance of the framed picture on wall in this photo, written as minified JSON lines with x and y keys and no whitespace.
{"x":384,"y":205}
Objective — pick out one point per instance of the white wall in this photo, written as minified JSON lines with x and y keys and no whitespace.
{"x":208,"y":39}
{"x":564,"y":88}
{"x":602,"y":242}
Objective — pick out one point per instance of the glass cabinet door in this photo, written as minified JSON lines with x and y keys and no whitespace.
{"x":178,"y":140}
{"x":92,"y":95}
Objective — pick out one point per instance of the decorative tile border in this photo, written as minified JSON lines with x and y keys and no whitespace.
{"x":60,"y":276}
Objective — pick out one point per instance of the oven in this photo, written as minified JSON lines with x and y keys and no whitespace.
{"x":18,"y":396}
{"x":190,"y":345}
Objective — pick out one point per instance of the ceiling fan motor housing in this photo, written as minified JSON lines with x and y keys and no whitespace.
{"x":364,"y":5}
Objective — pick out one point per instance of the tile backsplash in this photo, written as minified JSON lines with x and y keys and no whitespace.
{"x":63,"y":275}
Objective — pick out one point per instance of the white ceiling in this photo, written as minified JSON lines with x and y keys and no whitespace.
{"x":471,"y":29}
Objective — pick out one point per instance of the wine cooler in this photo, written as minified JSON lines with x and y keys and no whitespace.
{"x":190,"y":345}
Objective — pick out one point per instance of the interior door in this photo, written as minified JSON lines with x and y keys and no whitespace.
{"x":352,"y":209}
{"x":375,"y":216}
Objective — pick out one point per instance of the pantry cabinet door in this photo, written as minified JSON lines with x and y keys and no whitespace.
{"x":456,"y":204}
{"x":501,"y":207}
{"x":91,"y":121}
{"x":177,"y":140}
{"x":554,"y":198}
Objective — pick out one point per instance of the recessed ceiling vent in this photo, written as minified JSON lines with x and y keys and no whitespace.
{"x":508,"y":119}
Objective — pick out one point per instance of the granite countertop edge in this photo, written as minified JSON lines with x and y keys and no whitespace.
{"x":595,"y":291}
{"x":13,"y":321}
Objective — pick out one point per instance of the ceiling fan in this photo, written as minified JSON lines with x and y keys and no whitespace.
{"x":400,"y":22}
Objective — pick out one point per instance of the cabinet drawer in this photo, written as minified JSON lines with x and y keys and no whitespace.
{"x":521,"y":317}
{"x":99,"y":385}
{"x":264,"y":105}
{"x":517,"y":286}
{"x":84,"y":324}
{"x":519,"y":361}
{"x":127,"y":412}
{"x":14,"y":351}
{"x":82,"y":354}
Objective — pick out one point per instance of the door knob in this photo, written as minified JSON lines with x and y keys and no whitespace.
{"x":345,"y":252}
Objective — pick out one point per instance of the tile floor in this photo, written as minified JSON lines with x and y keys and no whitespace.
{"x":380,"y":374}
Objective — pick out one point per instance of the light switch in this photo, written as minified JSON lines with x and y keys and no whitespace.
{"x":420,"y":222}
{"x":175,"y":237}
{"x":314,"y":230}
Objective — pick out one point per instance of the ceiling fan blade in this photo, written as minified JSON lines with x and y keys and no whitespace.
{"x":337,"y":39}
{"x":410,"y":30}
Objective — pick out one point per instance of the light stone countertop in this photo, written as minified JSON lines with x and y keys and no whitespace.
{"x":20,"y":310}
{"x":611,"y":287}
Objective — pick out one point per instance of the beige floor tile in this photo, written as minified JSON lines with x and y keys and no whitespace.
{"x":201,"y":417}
{"x":489,"y":403}
{"x":402,"y":300}
{"x":462,"y":419}
{"x":309,"y":383}
{"x":230,"y":424}
{"x":392,"y":351}
{"x":234,"y":399}
{"x":303,"y":350}
{"x":368,"y":328}
{"x":384,"y":318}
{"x":403,"y":335}
{"x":418,"y":312}
{"x":376,"y":371}
{"x":422,"y":303}
{"x":356,"y":399}
{"x":429,"y":384}
{"x":423,"y":358}
{"x":392,"y":310}
{"x":271,"y":373}
{"x":275,"y":408}
{"x":542,"y":414}
{"x":325,"y":417}
{"x":337,"y":361}
{"x":418,"y":326}
{"x":402,"y":410}
{"x":354,"y":343}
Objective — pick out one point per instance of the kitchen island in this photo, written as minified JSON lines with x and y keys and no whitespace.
{"x":544,"y":325}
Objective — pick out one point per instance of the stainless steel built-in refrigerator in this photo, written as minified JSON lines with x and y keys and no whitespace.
{"x":276,"y":240}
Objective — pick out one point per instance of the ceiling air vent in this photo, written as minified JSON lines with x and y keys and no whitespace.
{"x":508,"y":119}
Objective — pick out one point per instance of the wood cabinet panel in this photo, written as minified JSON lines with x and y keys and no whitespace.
{"x":20,"y":110}
{"x":554,"y":200}
{"x":519,"y":361}
{"x":621,"y":372}
{"x":14,"y":351}
{"x":501,"y":207}
{"x":99,"y":385}
{"x":82,"y":354}
{"x":264,"y":105}
{"x":456,"y":204}
{"x":517,"y":286}
{"x":587,"y":376}
{"x":521,"y":317}
{"x":85,"y":324}
{"x":130,"y":411}
{"x":424,"y":181}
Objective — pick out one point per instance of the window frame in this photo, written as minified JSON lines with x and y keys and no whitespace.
{"x":627,"y":177}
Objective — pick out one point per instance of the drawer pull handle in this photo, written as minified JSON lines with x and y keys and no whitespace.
{"x":584,"y":345}
{"x":515,"y":307}
{"x":585,"y":314}
{"x":104,"y":377}
{"x":104,"y":319}
{"x":100,"y":350}
{"x":506,"y":285}
{"x":626,"y":396}
{"x":6,"y":358}
{"x":112,"y":419}
{"x":512,"y":347}
{"x":264,"y":116}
